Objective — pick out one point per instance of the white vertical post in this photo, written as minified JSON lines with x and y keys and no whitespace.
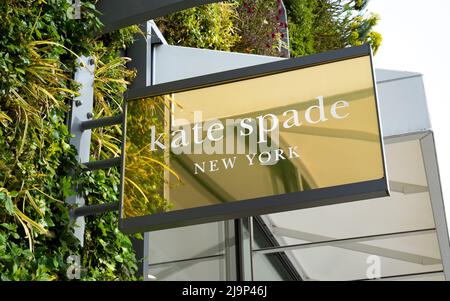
{"x":82,"y":107}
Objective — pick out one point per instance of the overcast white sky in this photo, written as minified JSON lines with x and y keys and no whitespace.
{"x":416,"y":38}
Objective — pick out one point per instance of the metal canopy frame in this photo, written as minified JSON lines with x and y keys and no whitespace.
{"x":117,"y":14}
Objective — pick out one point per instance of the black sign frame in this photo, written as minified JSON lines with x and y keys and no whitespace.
{"x":263,"y":205}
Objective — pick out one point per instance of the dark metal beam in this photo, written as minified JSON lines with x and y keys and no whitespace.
{"x":102,"y":164}
{"x":238,"y":243}
{"x":266,"y":234}
{"x":94,"y":209}
{"x":139,"y":52}
{"x":101,"y":122}
{"x":405,"y":276}
{"x":334,"y":242}
{"x":117,"y":14}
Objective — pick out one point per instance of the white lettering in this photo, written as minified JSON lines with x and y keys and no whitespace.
{"x":198,"y":167}
{"x":264,"y":157}
{"x":229,"y":162}
{"x":263,"y":130}
{"x":246,"y":125}
{"x":179,"y":140}
{"x":295,"y":119}
{"x":292,"y":152}
{"x":214,"y":128}
{"x":321,"y":111}
{"x":279,"y":154}
{"x":155,"y":142}
{"x":250,"y":158}
{"x":213,"y":165}
{"x":335,"y":106}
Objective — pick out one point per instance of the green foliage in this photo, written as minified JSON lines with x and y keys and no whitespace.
{"x":208,"y":26}
{"x":107,"y":252}
{"x":249,"y":26}
{"x":254,"y":26}
{"x":38,"y":46}
{"x":321,"y":25}
{"x":259,"y":26}
{"x":301,"y":19}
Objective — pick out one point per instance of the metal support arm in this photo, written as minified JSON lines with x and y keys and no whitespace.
{"x":102,"y":164}
{"x":94,"y":209}
{"x":97,"y":123}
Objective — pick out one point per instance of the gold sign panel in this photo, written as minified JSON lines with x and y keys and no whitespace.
{"x":288,"y":139}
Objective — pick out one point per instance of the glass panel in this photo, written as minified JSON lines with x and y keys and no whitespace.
{"x":352,"y":261}
{"x":186,"y":242}
{"x":204,"y":269}
{"x":292,"y":131}
{"x":269,"y":268}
